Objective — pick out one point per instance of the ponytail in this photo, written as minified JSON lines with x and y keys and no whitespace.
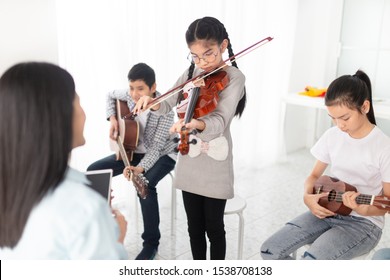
{"x":363,"y":77}
{"x":351,"y":91}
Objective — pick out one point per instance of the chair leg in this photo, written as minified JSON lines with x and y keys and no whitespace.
{"x":240,"y":235}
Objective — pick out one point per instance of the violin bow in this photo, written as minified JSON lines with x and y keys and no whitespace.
{"x":203,"y":75}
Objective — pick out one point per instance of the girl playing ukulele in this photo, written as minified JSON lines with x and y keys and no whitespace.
{"x":358,"y":153}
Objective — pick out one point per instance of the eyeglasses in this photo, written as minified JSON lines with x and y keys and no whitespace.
{"x":208,"y":57}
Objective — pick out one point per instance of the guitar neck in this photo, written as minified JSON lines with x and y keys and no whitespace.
{"x":122,"y":151}
{"x":139,"y":182}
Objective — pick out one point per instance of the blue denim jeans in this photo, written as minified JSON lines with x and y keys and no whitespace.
{"x":149,"y":205}
{"x":333,"y":238}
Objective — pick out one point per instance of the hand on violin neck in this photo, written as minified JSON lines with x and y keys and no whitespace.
{"x":177,"y":127}
{"x":194,"y":124}
{"x":197,"y":124}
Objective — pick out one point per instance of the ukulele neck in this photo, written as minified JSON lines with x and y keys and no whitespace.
{"x":361,"y":199}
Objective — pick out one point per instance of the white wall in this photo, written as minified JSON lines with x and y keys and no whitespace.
{"x":316,"y":47}
{"x":365,"y":44}
{"x":316,"y":50}
{"x":27,"y":32}
{"x":100,"y":50}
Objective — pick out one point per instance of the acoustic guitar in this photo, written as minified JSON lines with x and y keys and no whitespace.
{"x":337,"y":188}
{"x":127,"y":141}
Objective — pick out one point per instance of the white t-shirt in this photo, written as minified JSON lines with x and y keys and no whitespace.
{"x":363,"y":163}
{"x":73,"y":222}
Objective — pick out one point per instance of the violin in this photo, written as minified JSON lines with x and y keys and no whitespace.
{"x":184,"y":145}
{"x":214,"y":81}
{"x":202,"y":101}
{"x":208,"y":96}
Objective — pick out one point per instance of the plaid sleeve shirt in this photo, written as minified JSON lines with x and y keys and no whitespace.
{"x":156,"y":135}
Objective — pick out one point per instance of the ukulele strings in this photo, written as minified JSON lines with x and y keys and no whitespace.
{"x":361,"y":199}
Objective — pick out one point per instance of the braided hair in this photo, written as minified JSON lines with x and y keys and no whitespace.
{"x":209,"y":28}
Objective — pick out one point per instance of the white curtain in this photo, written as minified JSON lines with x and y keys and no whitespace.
{"x":99,"y":41}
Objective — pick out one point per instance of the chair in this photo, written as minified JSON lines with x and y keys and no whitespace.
{"x":237,"y":205}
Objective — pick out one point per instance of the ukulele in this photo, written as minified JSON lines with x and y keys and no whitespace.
{"x":337,"y":188}
{"x":128,"y":135}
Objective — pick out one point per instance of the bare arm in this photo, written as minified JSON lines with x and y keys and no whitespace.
{"x":349,"y":200}
{"x":310,"y":199}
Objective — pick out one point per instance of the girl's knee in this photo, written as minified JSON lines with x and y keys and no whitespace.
{"x":267,"y":253}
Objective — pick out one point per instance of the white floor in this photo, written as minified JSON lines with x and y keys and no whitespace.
{"x":273,"y":195}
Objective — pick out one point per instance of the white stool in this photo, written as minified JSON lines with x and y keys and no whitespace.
{"x":307,"y":246}
{"x":237,"y":205}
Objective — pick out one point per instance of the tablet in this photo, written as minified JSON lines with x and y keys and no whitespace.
{"x":100,"y":181}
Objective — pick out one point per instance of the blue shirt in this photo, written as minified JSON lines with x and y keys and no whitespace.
{"x":71,"y":222}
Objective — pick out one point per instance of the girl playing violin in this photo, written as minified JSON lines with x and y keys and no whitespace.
{"x":205,"y":175}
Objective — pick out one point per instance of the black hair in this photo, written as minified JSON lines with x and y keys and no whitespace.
{"x":144,"y":72}
{"x":209,"y":28}
{"x":351,"y":91}
{"x":36,"y":131}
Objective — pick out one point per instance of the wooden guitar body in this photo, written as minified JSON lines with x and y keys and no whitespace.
{"x":128,"y":129}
